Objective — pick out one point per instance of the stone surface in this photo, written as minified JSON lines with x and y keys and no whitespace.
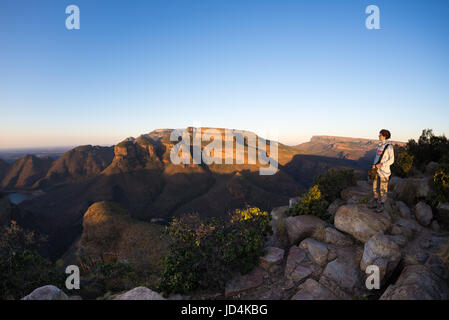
{"x":49,"y":292}
{"x":301,"y":227}
{"x":357,"y":192}
{"x":343,"y":276}
{"x":140,"y":293}
{"x":296,"y":267}
{"x":423,"y":213}
{"x":404,"y":210}
{"x":361,"y":222}
{"x":381,"y":250}
{"x":335,"y":237}
{"x":313,"y":290}
{"x":317,"y":250}
{"x":242,"y":283}
{"x":432,"y":167}
{"x":411,"y":189}
{"x":443,"y":209}
{"x":272,"y":257}
{"x":417,"y":282}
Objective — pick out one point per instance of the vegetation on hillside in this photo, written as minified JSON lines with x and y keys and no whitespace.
{"x":205,"y":253}
{"x":22,"y":269}
{"x":326,"y":188}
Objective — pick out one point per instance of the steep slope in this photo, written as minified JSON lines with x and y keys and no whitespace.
{"x":79,"y":163}
{"x":4,"y":167}
{"x":25,"y":171}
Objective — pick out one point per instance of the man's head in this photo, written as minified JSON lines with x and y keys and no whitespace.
{"x":384,"y":135}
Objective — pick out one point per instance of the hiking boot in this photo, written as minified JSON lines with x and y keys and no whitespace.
{"x":380,"y":207}
{"x":372,"y":203}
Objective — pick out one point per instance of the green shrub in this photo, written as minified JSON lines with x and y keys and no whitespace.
{"x":333,"y":181}
{"x":440,"y":190}
{"x":403,"y":162}
{"x":428,"y":148}
{"x":313,"y":203}
{"x":205,"y":253}
{"x":22,"y":269}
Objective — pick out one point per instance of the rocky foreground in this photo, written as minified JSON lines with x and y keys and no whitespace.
{"x":310,"y":259}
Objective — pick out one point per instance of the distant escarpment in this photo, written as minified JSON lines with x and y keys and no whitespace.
{"x":342,"y":147}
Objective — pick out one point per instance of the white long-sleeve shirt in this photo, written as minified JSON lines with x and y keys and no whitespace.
{"x":387,"y":159}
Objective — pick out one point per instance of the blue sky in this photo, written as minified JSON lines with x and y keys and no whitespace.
{"x":298,"y":68}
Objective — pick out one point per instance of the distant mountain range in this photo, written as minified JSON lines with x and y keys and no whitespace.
{"x":138,"y":174}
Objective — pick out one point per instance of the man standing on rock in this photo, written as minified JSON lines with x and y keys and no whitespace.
{"x":383,"y":160}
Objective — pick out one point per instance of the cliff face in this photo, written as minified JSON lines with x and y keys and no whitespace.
{"x":25,"y":171}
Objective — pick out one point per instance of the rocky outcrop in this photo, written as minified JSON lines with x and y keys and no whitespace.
{"x":49,"y":292}
{"x":313,"y":290}
{"x":417,"y":282}
{"x":140,"y":293}
{"x":361,"y":222}
{"x":272,"y":257}
{"x":382,"y":251}
{"x":411,"y":190}
{"x":301,"y":227}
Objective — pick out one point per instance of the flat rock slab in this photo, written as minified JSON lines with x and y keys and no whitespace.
{"x":242,"y":283}
{"x":313,"y":290}
{"x":273,"y":256}
{"x":360,"y":222}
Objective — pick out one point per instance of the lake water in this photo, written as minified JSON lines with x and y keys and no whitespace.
{"x":17,"y":198}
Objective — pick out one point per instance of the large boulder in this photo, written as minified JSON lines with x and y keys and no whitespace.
{"x":48,"y":292}
{"x":384,"y":252}
{"x":412,"y":189}
{"x":139,"y":293}
{"x":417,"y":282}
{"x":423,"y":213}
{"x":301,"y":227}
{"x":432,"y":167}
{"x":313,"y":290}
{"x":361,"y":222}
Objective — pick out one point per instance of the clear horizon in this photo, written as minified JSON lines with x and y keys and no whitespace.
{"x":298,"y":69}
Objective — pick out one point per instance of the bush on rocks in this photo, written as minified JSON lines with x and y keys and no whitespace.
{"x":205,"y":253}
{"x":313,"y":203}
